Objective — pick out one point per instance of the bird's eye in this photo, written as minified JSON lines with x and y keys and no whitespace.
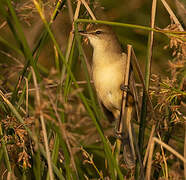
{"x":98,"y":32}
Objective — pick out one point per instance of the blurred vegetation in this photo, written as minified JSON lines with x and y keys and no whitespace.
{"x":46,"y":90}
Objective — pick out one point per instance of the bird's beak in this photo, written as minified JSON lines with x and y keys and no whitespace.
{"x":83,"y":33}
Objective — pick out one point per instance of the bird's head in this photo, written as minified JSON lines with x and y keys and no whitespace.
{"x":101,"y":36}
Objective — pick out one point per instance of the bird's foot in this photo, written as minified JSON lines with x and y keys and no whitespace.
{"x":124,"y":88}
{"x":118,"y":134}
{"x":121,"y":136}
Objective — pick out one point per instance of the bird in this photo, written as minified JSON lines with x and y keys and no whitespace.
{"x":108,"y":72}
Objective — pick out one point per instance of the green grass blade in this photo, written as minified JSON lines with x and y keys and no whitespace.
{"x":5,"y":152}
{"x":9,"y":45}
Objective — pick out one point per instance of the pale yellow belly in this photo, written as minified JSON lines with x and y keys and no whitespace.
{"x":107,"y":81}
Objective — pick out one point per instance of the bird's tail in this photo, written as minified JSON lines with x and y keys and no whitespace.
{"x":125,"y":141}
{"x":128,"y":153}
{"x":128,"y":140}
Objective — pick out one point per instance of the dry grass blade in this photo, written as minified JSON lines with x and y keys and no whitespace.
{"x":26,"y":80}
{"x":3,"y":24}
{"x":71,"y":38}
{"x":75,"y":18}
{"x":152,"y":141}
{"x":124,"y":95}
{"x":149,"y":145}
{"x":149,"y":163}
{"x":164,"y":160}
{"x":129,"y":53}
{"x":12,"y":57}
{"x":88,"y":9}
{"x":124,"y":123}
{"x":38,"y":101}
{"x":63,"y":130}
{"x":150,"y":45}
{"x":170,"y":149}
{"x":169,"y":10}
{"x":48,"y":87}
{"x":120,"y":123}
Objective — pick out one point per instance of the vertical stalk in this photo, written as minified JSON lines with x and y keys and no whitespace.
{"x":121,"y":123}
{"x":147,"y":77}
{"x":145,"y":95}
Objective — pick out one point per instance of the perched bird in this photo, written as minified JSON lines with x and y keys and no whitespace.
{"x":108,"y":76}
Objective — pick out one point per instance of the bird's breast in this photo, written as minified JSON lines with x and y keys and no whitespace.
{"x":107,"y":80}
